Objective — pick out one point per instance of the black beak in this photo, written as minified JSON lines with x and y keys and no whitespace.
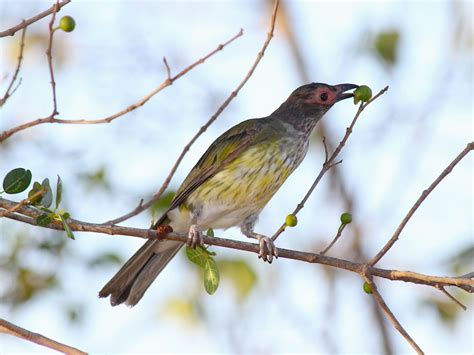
{"x":342,"y":88}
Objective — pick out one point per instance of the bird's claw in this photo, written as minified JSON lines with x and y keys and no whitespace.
{"x":194,"y":237}
{"x":267,"y":249}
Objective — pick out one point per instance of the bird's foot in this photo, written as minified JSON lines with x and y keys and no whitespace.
{"x":267,"y":248}
{"x":194,"y":236}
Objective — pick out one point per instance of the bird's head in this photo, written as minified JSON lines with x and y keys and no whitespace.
{"x":308,"y":103}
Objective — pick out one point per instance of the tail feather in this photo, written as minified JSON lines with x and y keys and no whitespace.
{"x":133,"y":279}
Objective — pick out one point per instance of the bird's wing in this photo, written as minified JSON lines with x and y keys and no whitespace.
{"x":222,"y":151}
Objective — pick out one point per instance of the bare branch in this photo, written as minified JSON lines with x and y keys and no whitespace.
{"x":28,"y":215}
{"x":143,"y":206}
{"x":329,"y":163}
{"x":50,"y":58}
{"x":391,"y":317}
{"x":338,"y":235}
{"x":424,"y":195}
{"x":11,"y":31}
{"x":12,"y":329}
{"x":454,"y":299}
{"x":9,"y":93}
{"x":167,"y":82}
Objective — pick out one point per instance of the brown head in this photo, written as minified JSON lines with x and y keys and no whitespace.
{"x":308,"y":103}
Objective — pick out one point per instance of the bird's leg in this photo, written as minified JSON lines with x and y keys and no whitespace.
{"x":194,"y":236}
{"x":267,"y":247}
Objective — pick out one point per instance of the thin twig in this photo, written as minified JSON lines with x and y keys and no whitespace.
{"x":329,"y":163}
{"x":25,"y":23}
{"x":12,"y":329}
{"x":143,"y":206}
{"x":424,"y":195}
{"x":23,"y":202}
{"x":454,"y":299}
{"x":17,"y":70}
{"x":167,"y":82}
{"x":338,"y":235}
{"x":50,"y":58}
{"x":391,"y":317}
{"x":28,"y":215}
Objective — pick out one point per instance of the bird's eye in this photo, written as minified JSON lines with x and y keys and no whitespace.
{"x":323,"y":96}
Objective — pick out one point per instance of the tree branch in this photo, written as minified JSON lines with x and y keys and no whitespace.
{"x":11,"y":31}
{"x":143,"y":206}
{"x":17,"y":70}
{"x":167,"y":82}
{"x":391,"y":317}
{"x":12,"y":329}
{"x":28,"y":215}
{"x":424,"y":195}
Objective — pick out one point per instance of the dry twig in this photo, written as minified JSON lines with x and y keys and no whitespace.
{"x":391,"y":317}
{"x":50,"y":58}
{"x":167,"y":82}
{"x":12,"y":329}
{"x":9,"y":91}
{"x":25,"y":23}
{"x":424,"y":195}
{"x":143,"y":206}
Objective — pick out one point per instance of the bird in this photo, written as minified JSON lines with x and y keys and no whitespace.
{"x":230,"y":185}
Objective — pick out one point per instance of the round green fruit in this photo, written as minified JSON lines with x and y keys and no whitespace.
{"x":362,"y":93}
{"x":346,"y":218}
{"x":367,"y":288}
{"x":291,"y":220}
{"x":67,"y":24}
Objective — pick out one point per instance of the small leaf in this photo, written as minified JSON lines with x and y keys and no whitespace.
{"x":32,"y":195}
{"x":43,"y":220}
{"x":210,"y":232}
{"x":68,"y":230}
{"x":211,"y":276}
{"x":240,"y":274}
{"x":59,"y":192}
{"x":386,"y":45}
{"x":66,"y":215}
{"x":47,"y":199}
{"x":198,"y":256}
{"x":17,"y":181}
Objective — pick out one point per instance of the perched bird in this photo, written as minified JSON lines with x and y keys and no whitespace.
{"x":231,"y":184}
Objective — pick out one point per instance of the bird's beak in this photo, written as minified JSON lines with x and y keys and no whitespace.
{"x":341,"y":91}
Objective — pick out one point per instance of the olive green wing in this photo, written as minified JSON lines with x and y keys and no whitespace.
{"x":222,"y":151}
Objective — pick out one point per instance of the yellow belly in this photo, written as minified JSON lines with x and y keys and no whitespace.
{"x":242,"y":189}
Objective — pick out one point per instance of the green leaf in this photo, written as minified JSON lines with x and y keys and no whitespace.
{"x":17,"y":181}
{"x":198,"y":256}
{"x":386,"y":45}
{"x":211,"y":276}
{"x":36,"y":188}
{"x":47,"y":199}
{"x":43,"y":220}
{"x":66,"y":215}
{"x":210,"y":232}
{"x":240,"y":273}
{"x":68,"y":230}
{"x":59,"y":192}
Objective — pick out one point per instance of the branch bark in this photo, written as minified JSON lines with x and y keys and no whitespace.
{"x":12,"y":329}
{"x":28,"y":215}
{"x":167,"y":82}
{"x":11,"y":31}
{"x":424,"y":195}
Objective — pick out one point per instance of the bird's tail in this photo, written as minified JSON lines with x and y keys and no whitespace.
{"x":133,"y":279}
